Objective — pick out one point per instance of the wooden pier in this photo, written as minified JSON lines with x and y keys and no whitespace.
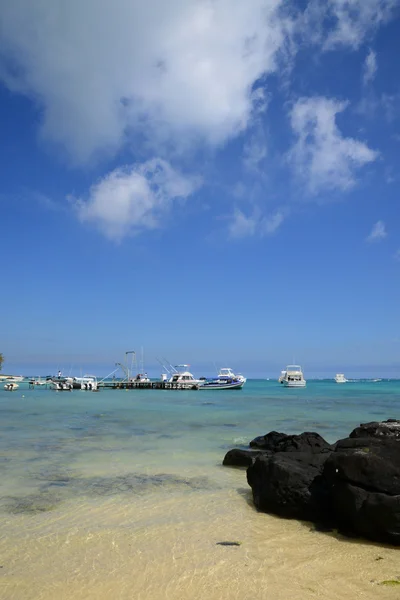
{"x":145,"y":385}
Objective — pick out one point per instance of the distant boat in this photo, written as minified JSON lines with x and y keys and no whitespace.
{"x":293,"y":377}
{"x":11,"y":387}
{"x":11,"y":378}
{"x":226,"y":380}
{"x":38,"y":381}
{"x":184,"y":379}
{"x":340,"y":378}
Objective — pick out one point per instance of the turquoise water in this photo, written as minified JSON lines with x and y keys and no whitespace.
{"x":48,"y":435}
{"x":97,"y":486}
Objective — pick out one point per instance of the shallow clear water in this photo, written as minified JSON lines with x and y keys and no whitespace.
{"x":107,"y":468}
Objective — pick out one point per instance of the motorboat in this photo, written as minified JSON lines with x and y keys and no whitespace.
{"x":293,"y":377}
{"x":140,"y":378}
{"x":61,"y":384}
{"x":12,"y":378}
{"x":226,"y":380}
{"x":34,"y":382}
{"x":227,"y":373}
{"x":282,"y":376}
{"x":340,"y":378}
{"x":184,"y":379}
{"x":87,"y":382}
{"x":11,"y":386}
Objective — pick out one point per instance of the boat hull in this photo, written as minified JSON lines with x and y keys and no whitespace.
{"x":235,"y":385}
{"x":294,"y":384}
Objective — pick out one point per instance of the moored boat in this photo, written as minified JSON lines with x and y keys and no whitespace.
{"x":11,"y":386}
{"x":226,"y":380}
{"x":340,"y":378}
{"x":183,"y":379}
{"x":293,"y":377}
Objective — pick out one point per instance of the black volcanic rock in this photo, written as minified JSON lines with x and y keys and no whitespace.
{"x":280,"y":442}
{"x":353,"y":485}
{"x":240,"y":458}
{"x":290,"y":485}
{"x":379,"y":429}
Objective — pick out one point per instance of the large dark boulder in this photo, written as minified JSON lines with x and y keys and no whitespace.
{"x":379,"y":429}
{"x":290,"y":485}
{"x":353,"y":485}
{"x":280,"y":442}
{"x":364,"y":478}
{"x":240,"y":458}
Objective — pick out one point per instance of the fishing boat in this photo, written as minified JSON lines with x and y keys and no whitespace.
{"x":61,"y":384}
{"x":293,"y":377}
{"x":11,"y":386}
{"x":340,"y":378}
{"x":39,"y":381}
{"x":87,"y":382}
{"x":226,"y":380}
{"x":184,"y":379}
{"x":227,"y":373}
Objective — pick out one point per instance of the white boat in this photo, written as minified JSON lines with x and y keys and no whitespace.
{"x":227,"y":373}
{"x":340,"y":378}
{"x":140,"y":378}
{"x":226,"y":380}
{"x":282,"y":376}
{"x":184,"y":379}
{"x":39,"y":381}
{"x":11,"y":378}
{"x":87,"y":382}
{"x":11,"y":386}
{"x":61,"y":384}
{"x":293,"y":377}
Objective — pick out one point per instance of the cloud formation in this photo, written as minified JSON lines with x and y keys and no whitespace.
{"x":370,"y":67}
{"x":172,"y":72}
{"x":160,"y":69}
{"x":378,"y":232}
{"x":135,"y":198}
{"x":321,"y":155}
{"x":242,"y":225}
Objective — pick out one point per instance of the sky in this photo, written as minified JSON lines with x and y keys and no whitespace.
{"x":214,"y":181}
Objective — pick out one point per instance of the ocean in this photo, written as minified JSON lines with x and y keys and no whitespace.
{"x":122,"y":495}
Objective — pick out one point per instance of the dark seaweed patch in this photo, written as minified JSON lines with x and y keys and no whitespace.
{"x":31,"y":504}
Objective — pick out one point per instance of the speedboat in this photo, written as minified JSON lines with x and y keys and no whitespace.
{"x":140,"y":378}
{"x":87,"y":382}
{"x":11,"y":386}
{"x":61,"y":384}
{"x":226,"y":380}
{"x":227,"y":373}
{"x":340,"y":378}
{"x":293,"y":377}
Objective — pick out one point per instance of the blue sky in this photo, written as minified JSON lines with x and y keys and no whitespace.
{"x":214,"y":181}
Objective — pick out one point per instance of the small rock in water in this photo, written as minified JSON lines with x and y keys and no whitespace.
{"x":229,"y":543}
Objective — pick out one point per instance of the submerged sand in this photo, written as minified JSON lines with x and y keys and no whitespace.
{"x":163,"y":545}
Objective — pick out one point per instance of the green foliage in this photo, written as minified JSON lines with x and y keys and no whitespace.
{"x":1,"y":360}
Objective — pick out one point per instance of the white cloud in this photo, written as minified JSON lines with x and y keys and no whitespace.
{"x":242,"y":225}
{"x":255,"y":149}
{"x":171,"y":71}
{"x":370,"y":67}
{"x":335,"y":23}
{"x":378,"y":232}
{"x":175,"y":72}
{"x":135,"y":198}
{"x":321,"y":155}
